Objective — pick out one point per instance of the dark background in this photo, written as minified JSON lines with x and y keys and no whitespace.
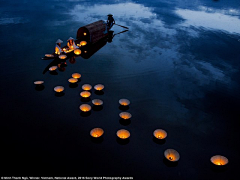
{"x":180,"y":75}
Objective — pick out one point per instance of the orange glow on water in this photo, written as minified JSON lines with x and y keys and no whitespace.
{"x":76,"y":75}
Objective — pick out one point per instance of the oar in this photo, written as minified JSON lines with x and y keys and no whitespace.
{"x":121,"y":32}
{"x":122,"y":26}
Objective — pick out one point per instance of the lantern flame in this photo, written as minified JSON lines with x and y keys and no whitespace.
{"x":86,"y":87}
{"x":124,"y":102}
{"x":123,"y":134}
{"x":59,"y":89}
{"x":77,"y":51}
{"x":99,"y":87}
{"x":76,"y":75}
{"x":85,"y":107}
{"x":38,"y":82}
{"x":49,"y":55}
{"x":83,"y":43}
{"x":85,"y":94}
{"x":160,"y":134}
{"x":62,"y":57}
{"x":72,"y":80}
{"x":219,"y":160}
{"x":171,"y":155}
{"x":53,"y":68}
{"x":97,"y":102}
{"x":125,"y":115}
{"x":96,"y":132}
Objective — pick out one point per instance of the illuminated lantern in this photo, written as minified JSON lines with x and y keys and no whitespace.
{"x":171,"y":155}
{"x":85,"y":51}
{"x":59,"y":89}
{"x":73,"y":80}
{"x":219,"y":160}
{"x":77,"y":51}
{"x":38,"y":82}
{"x":85,"y":108}
{"x":124,"y":102}
{"x":84,"y":34}
{"x":96,"y":132}
{"x":125,"y":115}
{"x":49,"y":55}
{"x":53,"y":68}
{"x":123,"y":134}
{"x":99,"y":87}
{"x":83,"y":43}
{"x":62,"y":57}
{"x":85,"y":94}
{"x":76,"y":75}
{"x":160,"y":134}
{"x":86,"y":87}
{"x":97,"y":102}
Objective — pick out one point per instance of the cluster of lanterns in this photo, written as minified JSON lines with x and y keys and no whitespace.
{"x":159,"y":134}
{"x":122,"y":134}
{"x":85,"y":94}
{"x":170,"y":154}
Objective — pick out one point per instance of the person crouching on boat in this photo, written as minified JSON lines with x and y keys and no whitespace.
{"x":58,"y":49}
{"x":110,"y":21}
{"x":71,"y":44}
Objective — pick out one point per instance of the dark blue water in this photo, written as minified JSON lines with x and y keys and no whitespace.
{"x":178,"y":65}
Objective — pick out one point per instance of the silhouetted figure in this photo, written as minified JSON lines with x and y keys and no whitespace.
{"x":71,"y":44}
{"x":58,"y":49}
{"x":110,"y":21}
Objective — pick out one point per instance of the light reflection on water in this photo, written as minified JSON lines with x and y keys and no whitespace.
{"x":180,"y":76}
{"x":210,"y":19}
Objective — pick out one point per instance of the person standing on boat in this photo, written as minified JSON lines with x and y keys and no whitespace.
{"x":71,"y":44}
{"x":58,"y":49}
{"x":110,"y":21}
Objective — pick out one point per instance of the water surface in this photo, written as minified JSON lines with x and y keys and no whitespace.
{"x":178,"y":65}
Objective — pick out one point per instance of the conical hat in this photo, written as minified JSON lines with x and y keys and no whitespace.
{"x":70,"y":38}
{"x":110,"y":15}
{"x":59,"y":41}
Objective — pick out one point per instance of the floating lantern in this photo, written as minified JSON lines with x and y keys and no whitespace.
{"x":125,"y":115}
{"x":96,"y":132}
{"x":85,"y":108}
{"x":85,"y":51}
{"x":84,"y":34}
{"x":86,"y":87}
{"x":85,"y":94}
{"x":62,"y":57}
{"x":171,"y":155}
{"x":77,"y":51}
{"x":72,"y":80}
{"x":219,"y":160}
{"x":124,"y":102}
{"x":160,"y":134}
{"x":97,"y":102}
{"x":76,"y":75}
{"x":83,"y":43}
{"x":59,"y":89}
{"x":99,"y":87}
{"x":53,"y":68}
{"x":123,"y":134}
{"x":38,"y":82}
{"x":49,"y":55}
